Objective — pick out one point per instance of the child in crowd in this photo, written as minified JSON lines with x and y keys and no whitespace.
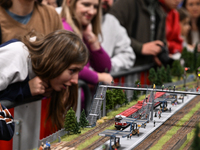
{"x":48,"y":66}
{"x":184,"y":18}
{"x":84,"y":18}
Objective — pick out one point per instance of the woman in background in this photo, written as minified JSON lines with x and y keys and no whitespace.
{"x":193,"y":7}
{"x":84,"y":18}
{"x":184,"y":19}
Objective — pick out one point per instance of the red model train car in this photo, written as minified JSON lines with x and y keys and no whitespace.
{"x":133,"y":112}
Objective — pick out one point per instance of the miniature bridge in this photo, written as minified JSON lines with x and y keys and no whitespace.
{"x":95,"y":111}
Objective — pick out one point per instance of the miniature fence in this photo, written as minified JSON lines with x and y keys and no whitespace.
{"x":53,"y":137}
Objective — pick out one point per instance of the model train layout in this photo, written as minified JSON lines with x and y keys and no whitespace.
{"x":131,"y":120}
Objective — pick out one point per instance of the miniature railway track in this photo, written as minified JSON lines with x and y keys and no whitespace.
{"x":97,"y":143}
{"x":188,"y":126}
{"x":89,"y":134}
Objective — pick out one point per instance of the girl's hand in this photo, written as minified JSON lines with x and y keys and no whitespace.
{"x":38,"y":87}
{"x":91,"y":38}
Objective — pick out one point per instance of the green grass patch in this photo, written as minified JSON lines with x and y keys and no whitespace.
{"x":71,"y":137}
{"x":93,"y":139}
{"x":173,"y":131}
{"x":189,"y":138}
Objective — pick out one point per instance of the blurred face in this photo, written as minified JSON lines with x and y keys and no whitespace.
{"x":86,"y":10}
{"x":172,"y":4}
{"x":185,"y":26}
{"x":67,"y":78}
{"x":193,"y":7}
{"x":52,"y":3}
{"x":106,"y":5}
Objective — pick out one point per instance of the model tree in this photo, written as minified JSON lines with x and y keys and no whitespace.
{"x":198,"y":63}
{"x":163,"y":74}
{"x":177,"y":69}
{"x":137,"y":84}
{"x":126,"y":102}
{"x":196,"y":144}
{"x":152,"y":76}
{"x":109,"y":100}
{"x":159,"y":78}
{"x":135,"y":95}
{"x":188,"y":58}
{"x":168,"y":74}
{"x":195,"y":55}
{"x":76,"y":128}
{"x":118,"y":96}
{"x":83,"y":122}
{"x":70,"y":121}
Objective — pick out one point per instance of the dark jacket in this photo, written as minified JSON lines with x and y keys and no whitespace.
{"x":135,"y":17}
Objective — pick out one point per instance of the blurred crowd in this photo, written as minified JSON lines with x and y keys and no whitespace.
{"x":119,"y":34}
{"x":130,"y":32}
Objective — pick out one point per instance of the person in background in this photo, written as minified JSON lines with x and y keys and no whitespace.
{"x":144,"y":21}
{"x":7,"y":125}
{"x":193,"y":7}
{"x":84,"y":18}
{"x":173,"y":29}
{"x":19,"y":17}
{"x":115,"y":40}
{"x":185,"y":27}
{"x":48,"y":66}
{"x":52,"y":3}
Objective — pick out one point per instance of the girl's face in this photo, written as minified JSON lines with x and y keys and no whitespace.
{"x":67,"y":78}
{"x":193,"y":7}
{"x":85,"y":10}
{"x":185,"y":26}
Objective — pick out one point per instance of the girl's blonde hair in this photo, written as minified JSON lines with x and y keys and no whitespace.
{"x":68,"y":13}
{"x":50,"y":56}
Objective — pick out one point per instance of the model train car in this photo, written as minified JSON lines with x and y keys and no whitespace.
{"x":134,"y":112}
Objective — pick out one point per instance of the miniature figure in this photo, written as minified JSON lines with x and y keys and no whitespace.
{"x":170,"y":109}
{"x":146,"y":99}
{"x":47,"y":146}
{"x":140,"y":116}
{"x":155,"y":114}
{"x":174,"y":87}
{"x":159,"y":113}
{"x":41,"y":146}
{"x":163,"y":87}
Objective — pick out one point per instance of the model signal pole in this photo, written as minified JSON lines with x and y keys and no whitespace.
{"x":184,"y":76}
{"x":198,"y":74}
